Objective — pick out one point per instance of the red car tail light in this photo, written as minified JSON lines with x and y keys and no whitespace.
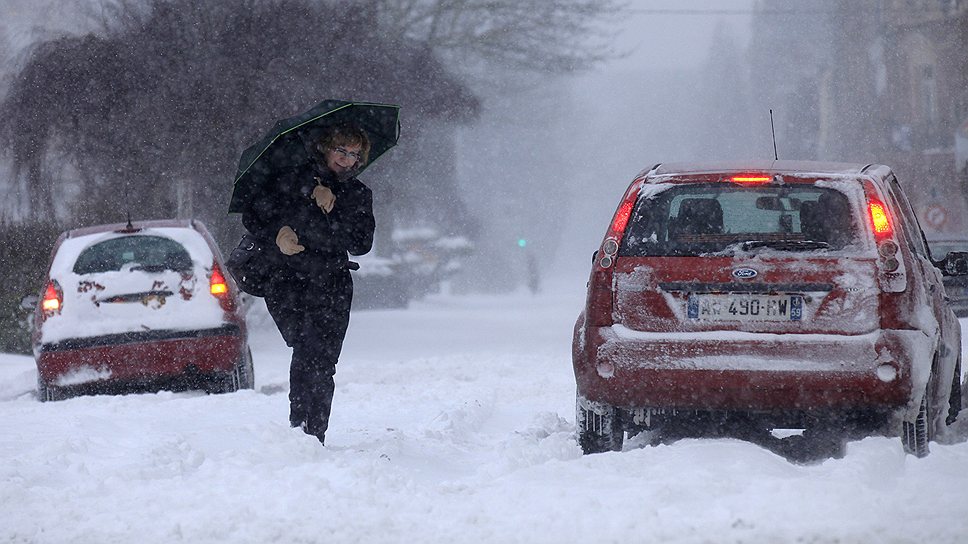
{"x":880,"y":222}
{"x":219,"y":288}
{"x":888,"y":253}
{"x":621,"y":219}
{"x":616,"y":229}
{"x":53,"y":299}
{"x":598,"y":306}
{"x":891,"y":273}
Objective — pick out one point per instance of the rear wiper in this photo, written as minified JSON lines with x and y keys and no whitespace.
{"x":151,"y":268}
{"x":785,"y":245}
{"x":137,"y":297}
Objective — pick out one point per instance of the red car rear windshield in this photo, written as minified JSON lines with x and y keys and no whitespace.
{"x":148,"y":253}
{"x":693,"y":219}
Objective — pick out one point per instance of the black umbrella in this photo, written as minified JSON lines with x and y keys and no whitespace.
{"x":288,"y":144}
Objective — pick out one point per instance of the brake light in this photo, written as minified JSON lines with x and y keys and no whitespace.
{"x":622,"y":215}
{"x":880,"y":221}
{"x":750,"y":179}
{"x":616,"y":229}
{"x":892,"y":273}
{"x":624,"y":212}
{"x":598,"y":305}
{"x":53,"y":299}
{"x":217,"y":286}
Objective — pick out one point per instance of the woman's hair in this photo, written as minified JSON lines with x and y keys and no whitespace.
{"x":343,"y":135}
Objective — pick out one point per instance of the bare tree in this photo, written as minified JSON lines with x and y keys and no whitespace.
{"x":153,"y":112}
{"x":150,"y":113}
{"x":540,"y":35}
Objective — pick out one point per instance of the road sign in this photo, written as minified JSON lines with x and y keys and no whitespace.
{"x":935,"y":216}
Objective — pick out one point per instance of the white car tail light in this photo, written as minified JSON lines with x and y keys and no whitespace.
{"x":219,"y":288}
{"x":217,"y":285}
{"x":53,"y":299}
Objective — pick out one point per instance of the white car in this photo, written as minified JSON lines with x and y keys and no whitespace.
{"x":135,"y":305}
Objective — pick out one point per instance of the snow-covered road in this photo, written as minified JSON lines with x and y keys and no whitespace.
{"x":453,"y":422}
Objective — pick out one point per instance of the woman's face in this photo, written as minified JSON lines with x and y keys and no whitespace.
{"x":342,"y":158}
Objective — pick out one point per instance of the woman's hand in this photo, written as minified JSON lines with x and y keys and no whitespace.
{"x":288,"y":242}
{"x":324,"y":198}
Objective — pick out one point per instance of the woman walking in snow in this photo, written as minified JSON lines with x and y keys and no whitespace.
{"x":318,"y":214}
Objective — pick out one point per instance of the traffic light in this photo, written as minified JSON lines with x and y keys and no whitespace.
{"x":522,"y":242}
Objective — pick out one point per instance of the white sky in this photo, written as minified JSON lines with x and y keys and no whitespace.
{"x":638,"y":110}
{"x":676,"y":33}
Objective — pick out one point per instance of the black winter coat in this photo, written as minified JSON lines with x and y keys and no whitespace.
{"x":348,"y":228}
{"x":310,"y":296}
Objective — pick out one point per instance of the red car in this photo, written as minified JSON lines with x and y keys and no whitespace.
{"x":134,"y":305}
{"x":768,"y":295}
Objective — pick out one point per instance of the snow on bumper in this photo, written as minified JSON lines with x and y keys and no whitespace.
{"x":753,"y":371}
{"x":135,"y":357}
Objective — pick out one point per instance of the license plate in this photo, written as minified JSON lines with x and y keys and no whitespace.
{"x":744,"y":307}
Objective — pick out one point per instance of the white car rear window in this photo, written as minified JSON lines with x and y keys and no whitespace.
{"x":149,"y":253}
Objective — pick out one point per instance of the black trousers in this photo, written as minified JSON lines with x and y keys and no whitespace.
{"x":312,"y":317}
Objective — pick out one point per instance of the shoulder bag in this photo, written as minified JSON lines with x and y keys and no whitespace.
{"x":252,"y":264}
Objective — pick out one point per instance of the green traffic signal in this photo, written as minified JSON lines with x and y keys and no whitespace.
{"x":522,"y":242}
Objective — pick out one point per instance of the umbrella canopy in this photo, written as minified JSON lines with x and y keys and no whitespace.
{"x":288,"y":144}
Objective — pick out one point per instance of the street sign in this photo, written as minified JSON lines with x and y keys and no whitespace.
{"x":935,"y":216}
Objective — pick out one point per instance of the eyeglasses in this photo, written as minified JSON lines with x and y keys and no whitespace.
{"x":348,"y":154}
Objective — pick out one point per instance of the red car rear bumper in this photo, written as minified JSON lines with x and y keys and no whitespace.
{"x":141,"y":356}
{"x":750,"y":372}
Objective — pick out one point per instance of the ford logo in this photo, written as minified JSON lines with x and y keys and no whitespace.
{"x":744,"y":273}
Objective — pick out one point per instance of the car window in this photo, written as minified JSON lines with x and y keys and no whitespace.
{"x":692,"y":219}
{"x":148,"y":253}
{"x":939,"y":250}
{"x":912,"y":229}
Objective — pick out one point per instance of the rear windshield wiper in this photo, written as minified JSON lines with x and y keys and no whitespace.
{"x":785,"y":245}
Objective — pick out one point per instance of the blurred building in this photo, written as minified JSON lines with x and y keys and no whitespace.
{"x":881,"y":81}
{"x":926,"y":63}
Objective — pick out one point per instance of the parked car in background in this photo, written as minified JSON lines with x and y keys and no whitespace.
{"x":956,"y":287}
{"x":139,"y":305}
{"x":416,"y":263}
{"x":428,"y":258}
{"x":767,"y":295}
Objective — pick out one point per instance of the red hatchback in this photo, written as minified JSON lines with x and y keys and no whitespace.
{"x":139,"y":305}
{"x":767,"y":295}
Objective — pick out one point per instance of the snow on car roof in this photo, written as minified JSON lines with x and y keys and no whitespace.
{"x":761,"y":165}
{"x":77,"y":241}
{"x":766,"y":166}
{"x":137,"y":225}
